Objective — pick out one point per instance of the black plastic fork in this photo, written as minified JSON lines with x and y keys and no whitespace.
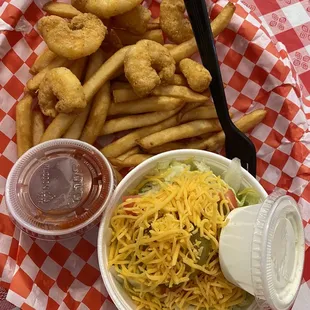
{"x":237,"y":144}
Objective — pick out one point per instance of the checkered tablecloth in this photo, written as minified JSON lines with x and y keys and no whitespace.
{"x":259,"y":73}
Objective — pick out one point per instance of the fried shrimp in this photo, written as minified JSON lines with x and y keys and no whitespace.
{"x":146,"y":65}
{"x":105,"y":8}
{"x":136,"y":21}
{"x":197,"y":76}
{"x":61,"y":91}
{"x":173,"y":22}
{"x":78,"y":38}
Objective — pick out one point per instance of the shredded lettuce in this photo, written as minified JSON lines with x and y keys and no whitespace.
{"x":175,"y":169}
{"x":249,"y":299}
{"x":247,"y":197}
{"x":233,"y":178}
{"x":201,"y":166}
{"x":233,"y":175}
{"x":149,"y":187}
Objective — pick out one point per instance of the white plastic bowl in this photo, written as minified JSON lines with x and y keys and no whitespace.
{"x":217,"y":163}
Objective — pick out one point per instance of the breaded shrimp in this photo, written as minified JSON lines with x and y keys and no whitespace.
{"x":62,"y":92}
{"x":173,"y":22}
{"x":76,"y":39}
{"x":136,"y":21}
{"x":197,"y":76}
{"x":146,"y":65}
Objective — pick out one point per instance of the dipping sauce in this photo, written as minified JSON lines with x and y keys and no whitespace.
{"x":59,"y":188}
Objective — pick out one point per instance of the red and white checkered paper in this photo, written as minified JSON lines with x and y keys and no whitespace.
{"x":258,"y":73}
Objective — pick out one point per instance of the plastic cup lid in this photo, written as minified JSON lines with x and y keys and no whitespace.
{"x":59,"y":187}
{"x":277,"y":252}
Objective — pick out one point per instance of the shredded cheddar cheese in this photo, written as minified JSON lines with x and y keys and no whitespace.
{"x":158,"y":241}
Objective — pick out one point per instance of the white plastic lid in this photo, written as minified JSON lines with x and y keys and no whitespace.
{"x":277,"y":252}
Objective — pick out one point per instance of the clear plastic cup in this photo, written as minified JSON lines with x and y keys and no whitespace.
{"x":59,"y":189}
{"x":217,"y":163}
{"x":262,"y":248}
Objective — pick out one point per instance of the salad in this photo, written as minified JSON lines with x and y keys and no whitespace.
{"x":164,"y":245}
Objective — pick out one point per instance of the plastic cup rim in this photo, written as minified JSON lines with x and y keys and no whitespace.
{"x":54,"y":233}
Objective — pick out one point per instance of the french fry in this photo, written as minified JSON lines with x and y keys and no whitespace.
{"x":188,"y":48}
{"x":134,"y":121}
{"x":204,"y":136}
{"x":94,"y":63}
{"x":129,"y":141}
{"x":38,"y":127}
{"x":58,"y":127}
{"x":182,"y":92}
{"x":120,"y":85}
{"x":191,"y":106}
{"x":170,"y":46}
{"x":134,"y":150}
{"x":134,"y":21}
{"x":97,"y":115}
{"x":118,"y":176}
{"x":144,"y":105}
{"x":62,"y":121}
{"x":131,"y":161}
{"x":61,"y":9}
{"x":153,"y":26}
{"x":221,"y":21}
{"x":216,"y":141}
{"x":188,"y":130}
{"x":77,"y":68}
{"x":123,"y":95}
{"x":24,"y":125}
{"x":184,"y":50}
{"x":105,"y":73}
{"x":206,"y":111}
{"x":155,"y":20}
{"x":128,"y":38}
{"x":42,"y":61}
{"x":34,"y":83}
{"x":178,"y":79}
{"x":75,"y":129}
{"x":166,"y":147}
{"x":177,"y":145}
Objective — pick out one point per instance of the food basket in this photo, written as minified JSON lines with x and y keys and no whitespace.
{"x":258,"y":73}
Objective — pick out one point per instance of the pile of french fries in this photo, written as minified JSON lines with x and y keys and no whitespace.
{"x":172,"y":117}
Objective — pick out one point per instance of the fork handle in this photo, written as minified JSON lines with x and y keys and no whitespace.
{"x":198,"y":15}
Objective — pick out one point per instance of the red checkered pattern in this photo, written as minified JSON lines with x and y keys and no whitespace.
{"x":288,"y":21}
{"x":259,"y":72}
